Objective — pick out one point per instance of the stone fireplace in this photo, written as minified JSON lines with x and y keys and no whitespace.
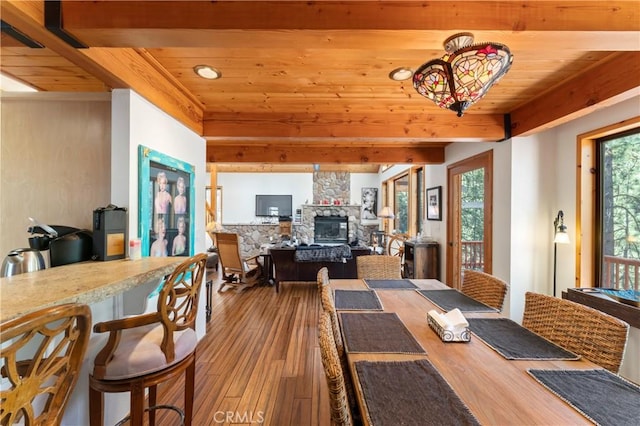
{"x":331,"y":230}
{"x":331,"y":195}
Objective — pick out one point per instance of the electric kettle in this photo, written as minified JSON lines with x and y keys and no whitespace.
{"x":22,"y":260}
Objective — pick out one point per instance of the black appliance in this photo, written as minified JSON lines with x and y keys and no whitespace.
{"x":63,"y":244}
{"x":274,"y":205}
{"x":110,"y":235}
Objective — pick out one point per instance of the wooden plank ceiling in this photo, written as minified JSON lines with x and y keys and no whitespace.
{"x":308,"y":82}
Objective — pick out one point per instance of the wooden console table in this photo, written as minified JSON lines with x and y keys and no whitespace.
{"x":592,"y":298}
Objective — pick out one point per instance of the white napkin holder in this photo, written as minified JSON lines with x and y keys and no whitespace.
{"x":451,"y":327}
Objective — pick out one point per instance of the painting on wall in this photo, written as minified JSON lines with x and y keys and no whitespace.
{"x":369,"y":210}
{"x":166,"y":204}
{"x":434,"y":197}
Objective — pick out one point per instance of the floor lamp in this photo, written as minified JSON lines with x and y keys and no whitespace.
{"x":560,"y":237}
{"x":386,"y":213}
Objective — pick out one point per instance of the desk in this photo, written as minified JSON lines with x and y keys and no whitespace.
{"x":85,"y":282}
{"x":496,"y":390}
{"x":267,"y":269}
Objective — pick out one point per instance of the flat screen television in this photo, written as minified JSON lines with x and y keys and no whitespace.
{"x":274,"y":205}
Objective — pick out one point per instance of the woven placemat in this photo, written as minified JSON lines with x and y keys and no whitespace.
{"x":377,"y":332}
{"x":450,"y":299}
{"x":410,"y":393}
{"x":601,"y":396}
{"x":513,"y":341}
{"x":355,"y":300}
{"x":390,"y":284}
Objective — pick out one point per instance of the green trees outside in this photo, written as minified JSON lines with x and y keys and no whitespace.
{"x":620,"y":196}
{"x":472,"y":214}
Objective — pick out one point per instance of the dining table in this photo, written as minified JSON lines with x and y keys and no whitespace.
{"x":496,"y":390}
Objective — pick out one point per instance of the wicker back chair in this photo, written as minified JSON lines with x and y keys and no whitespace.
{"x":38,"y":382}
{"x":599,"y":337}
{"x":328,"y":306}
{"x":339,"y":402}
{"x":322,"y":277}
{"x":379,"y":267}
{"x":484,"y":288}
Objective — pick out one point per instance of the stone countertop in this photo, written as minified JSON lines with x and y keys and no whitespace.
{"x":85,"y":282}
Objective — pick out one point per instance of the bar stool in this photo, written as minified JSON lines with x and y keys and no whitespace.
{"x":145,"y":350}
{"x":36,"y":387}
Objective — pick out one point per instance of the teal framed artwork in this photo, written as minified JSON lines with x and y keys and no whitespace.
{"x":166,"y":199}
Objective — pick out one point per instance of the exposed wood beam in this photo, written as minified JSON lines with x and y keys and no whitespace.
{"x":289,"y":168}
{"x":436,"y":127}
{"x":608,"y":25}
{"x":117,"y":68}
{"x":615,"y":80}
{"x":512,"y":16}
{"x":347,"y":154}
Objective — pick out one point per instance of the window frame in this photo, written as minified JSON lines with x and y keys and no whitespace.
{"x":587,"y":223}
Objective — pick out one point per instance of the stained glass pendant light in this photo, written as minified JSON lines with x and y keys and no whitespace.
{"x":464,"y":75}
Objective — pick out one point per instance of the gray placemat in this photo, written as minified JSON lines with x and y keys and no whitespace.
{"x":390,"y":284}
{"x":601,"y":396}
{"x":377,"y":332}
{"x":357,"y":300}
{"x":513,"y":341}
{"x":450,"y":299}
{"x":410,"y":393}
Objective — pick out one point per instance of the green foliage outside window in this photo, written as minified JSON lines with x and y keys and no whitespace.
{"x":472,"y":214}
{"x":621,"y":196}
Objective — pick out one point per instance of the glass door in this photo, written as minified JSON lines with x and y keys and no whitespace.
{"x":469,"y":217}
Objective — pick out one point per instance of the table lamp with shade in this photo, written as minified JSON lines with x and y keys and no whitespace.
{"x":385,"y":214}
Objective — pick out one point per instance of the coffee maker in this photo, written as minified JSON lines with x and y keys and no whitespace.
{"x":61,"y":245}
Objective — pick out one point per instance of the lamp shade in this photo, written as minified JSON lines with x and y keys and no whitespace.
{"x":386,"y":213}
{"x":464,"y":75}
{"x":561,"y":237}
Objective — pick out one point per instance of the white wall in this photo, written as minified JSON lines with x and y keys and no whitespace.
{"x":134,"y":121}
{"x":239,"y":191}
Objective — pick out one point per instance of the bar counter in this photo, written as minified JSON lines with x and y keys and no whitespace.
{"x":86,"y":282}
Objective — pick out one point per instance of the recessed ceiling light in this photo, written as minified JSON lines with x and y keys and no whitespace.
{"x":205,"y":71}
{"x":400,"y":74}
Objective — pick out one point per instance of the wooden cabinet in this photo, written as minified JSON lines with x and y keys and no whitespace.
{"x":285,"y":228}
{"x":421,"y":260}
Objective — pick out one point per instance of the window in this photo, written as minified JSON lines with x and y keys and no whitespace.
{"x":618,"y":210}
{"x":404,"y":193}
{"x":401,"y":204}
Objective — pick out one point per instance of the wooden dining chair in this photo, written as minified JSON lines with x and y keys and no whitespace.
{"x":41,"y":354}
{"x":597,"y":336}
{"x":238,"y":272}
{"x":338,"y":400}
{"x":379,"y":267}
{"x":328,"y":305}
{"x":145,"y":350}
{"x":484,"y":288}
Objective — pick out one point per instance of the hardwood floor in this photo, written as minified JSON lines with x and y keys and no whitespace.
{"x":259,"y":362}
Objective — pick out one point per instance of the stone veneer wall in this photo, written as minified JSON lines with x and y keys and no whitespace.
{"x":251,"y":237}
{"x":331,"y":186}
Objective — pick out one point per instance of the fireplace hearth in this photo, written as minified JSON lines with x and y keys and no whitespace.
{"x":331,"y":230}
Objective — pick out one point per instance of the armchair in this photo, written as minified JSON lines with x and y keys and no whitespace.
{"x":238,"y":272}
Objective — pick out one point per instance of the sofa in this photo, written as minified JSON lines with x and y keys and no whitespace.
{"x":287,"y":268}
